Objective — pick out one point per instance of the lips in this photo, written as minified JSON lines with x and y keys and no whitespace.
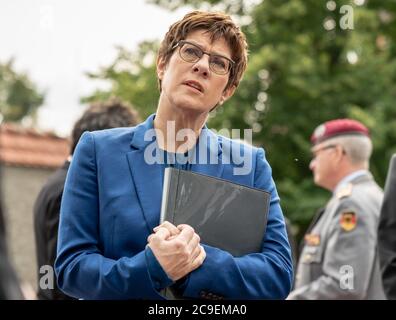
{"x":194,"y":84}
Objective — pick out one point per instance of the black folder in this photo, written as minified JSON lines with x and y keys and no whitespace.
{"x":226,"y":215}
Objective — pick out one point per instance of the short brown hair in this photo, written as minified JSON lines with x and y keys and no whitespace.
{"x":218,"y":25}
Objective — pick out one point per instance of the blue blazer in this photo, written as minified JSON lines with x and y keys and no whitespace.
{"x":111,"y":203}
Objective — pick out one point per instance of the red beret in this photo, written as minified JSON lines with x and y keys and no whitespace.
{"x":339,"y":127}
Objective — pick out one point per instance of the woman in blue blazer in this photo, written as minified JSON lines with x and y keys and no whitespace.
{"x":110,"y":243}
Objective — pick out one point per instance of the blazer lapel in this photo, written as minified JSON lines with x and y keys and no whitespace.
{"x":148,"y":184}
{"x":148,"y":178}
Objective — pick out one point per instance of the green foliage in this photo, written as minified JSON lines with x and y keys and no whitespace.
{"x":18,"y":95}
{"x":232,"y":6}
{"x":132,"y":77}
{"x":304,"y":68}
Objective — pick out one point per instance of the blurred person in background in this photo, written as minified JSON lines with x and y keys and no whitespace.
{"x":387,"y":233}
{"x":339,"y":259}
{"x":102,"y":115}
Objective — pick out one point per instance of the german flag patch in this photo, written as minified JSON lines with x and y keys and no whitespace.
{"x":348,"y":220}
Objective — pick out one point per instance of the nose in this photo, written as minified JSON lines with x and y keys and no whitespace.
{"x":202,"y":66}
{"x":312,"y":165}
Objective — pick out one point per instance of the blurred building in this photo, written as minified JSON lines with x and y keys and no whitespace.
{"x":28,"y":157}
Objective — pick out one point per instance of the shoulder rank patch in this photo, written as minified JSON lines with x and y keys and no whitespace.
{"x":346,"y":191}
{"x":312,"y":239}
{"x":348,"y":220}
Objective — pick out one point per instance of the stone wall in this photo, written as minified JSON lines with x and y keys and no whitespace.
{"x":20,"y":188}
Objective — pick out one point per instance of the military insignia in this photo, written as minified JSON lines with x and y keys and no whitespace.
{"x":319,"y":131}
{"x":312,"y":239}
{"x":348,"y":220}
{"x":345,"y":191}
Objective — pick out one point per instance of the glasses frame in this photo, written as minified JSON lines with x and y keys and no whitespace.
{"x":183,"y":42}
{"x":316,"y":152}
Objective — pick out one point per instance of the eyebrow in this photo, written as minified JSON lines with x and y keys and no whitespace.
{"x":204,"y":49}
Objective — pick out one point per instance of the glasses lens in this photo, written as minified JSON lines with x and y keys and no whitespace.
{"x":219,"y":64}
{"x":190,"y":53}
{"x":317,"y":152}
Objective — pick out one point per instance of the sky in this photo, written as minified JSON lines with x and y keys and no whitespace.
{"x":56,"y":42}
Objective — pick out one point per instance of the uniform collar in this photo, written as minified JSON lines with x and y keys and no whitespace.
{"x":349,"y":178}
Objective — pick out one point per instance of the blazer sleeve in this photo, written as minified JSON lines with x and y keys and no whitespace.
{"x":264,"y":275}
{"x":81,"y":268}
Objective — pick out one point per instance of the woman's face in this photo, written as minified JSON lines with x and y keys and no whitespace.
{"x":194,"y":86}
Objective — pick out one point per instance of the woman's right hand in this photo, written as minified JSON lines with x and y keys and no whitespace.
{"x":177,"y":249}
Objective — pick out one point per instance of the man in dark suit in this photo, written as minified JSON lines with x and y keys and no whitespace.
{"x":387,"y":233}
{"x":111,"y":114}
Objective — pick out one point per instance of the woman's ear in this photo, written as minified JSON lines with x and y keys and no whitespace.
{"x":161,"y":66}
{"x":227,"y":93}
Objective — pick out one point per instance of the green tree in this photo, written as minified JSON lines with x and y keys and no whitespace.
{"x":132,"y":77}
{"x":237,"y":7}
{"x":19,"y":97}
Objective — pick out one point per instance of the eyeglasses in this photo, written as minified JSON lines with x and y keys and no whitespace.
{"x":316,"y":152}
{"x":192,"y":53}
